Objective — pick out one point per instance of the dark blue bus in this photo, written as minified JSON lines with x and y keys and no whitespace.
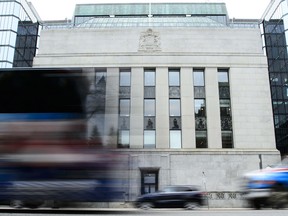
{"x":44,"y":154}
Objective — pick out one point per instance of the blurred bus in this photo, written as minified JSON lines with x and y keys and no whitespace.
{"x":44,"y":155}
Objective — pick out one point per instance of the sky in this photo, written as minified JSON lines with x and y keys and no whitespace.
{"x":64,"y":9}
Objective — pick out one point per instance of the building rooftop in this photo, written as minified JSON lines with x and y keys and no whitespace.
{"x":161,"y":15}
{"x":116,"y":22}
{"x":142,"y":9}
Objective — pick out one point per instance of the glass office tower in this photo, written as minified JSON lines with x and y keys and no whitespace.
{"x":19,"y":32}
{"x":274,"y":33}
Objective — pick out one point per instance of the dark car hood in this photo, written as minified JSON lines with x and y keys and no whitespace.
{"x":149,"y":195}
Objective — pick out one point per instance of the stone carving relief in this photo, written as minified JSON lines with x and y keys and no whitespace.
{"x":149,"y":41}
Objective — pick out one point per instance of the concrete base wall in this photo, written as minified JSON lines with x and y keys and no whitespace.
{"x":217,"y":172}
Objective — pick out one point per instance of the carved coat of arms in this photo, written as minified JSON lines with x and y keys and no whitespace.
{"x":149,"y":41}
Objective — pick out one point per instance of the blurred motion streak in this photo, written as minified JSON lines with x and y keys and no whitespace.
{"x":45,"y":155}
{"x":267,"y":187}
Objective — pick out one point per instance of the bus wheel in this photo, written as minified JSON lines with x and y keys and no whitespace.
{"x":16,"y":204}
{"x":33,"y":205}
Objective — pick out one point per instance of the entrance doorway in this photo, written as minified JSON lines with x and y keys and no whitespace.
{"x":149,"y":180}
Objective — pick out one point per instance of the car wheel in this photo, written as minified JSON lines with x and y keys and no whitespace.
{"x":16,"y":204}
{"x":191,"y":205}
{"x":256,"y":204}
{"x":146,"y":205}
{"x":279,"y":196}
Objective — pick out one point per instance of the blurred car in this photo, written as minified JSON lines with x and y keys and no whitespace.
{"x":267,"y":187}
{"x":188,"y":197}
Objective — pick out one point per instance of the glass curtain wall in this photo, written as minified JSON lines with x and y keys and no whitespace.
{"x":274,"y":29}
{"x":19,"y":32}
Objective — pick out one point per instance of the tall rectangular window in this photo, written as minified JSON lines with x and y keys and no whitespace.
{"x":198,"y":77}
{"x":125,"y":77}
{"x":174,"y":77}
{"x":124,"y":108}
{"x":149,"y":138}
{"x":149,"y":108}
{"x":175,"y":108}
{"x":200,"y":108}
{"x":149,"y":77}
{"x":175,"y":139}
{"x":96,"y":101}
{"x":225,"y":108}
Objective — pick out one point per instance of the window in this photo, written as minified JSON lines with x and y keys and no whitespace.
{"x":199,"y":83}
{"x":201,"y":139}
{"x":223,"y":78}
{"x":149,"y":180}
{"x":149,"y":139}
{"x":175,"y":109}
{"x":149,"y":107}
{"x":174,"y":83}
{"x":225,"y":108}
{"x":174,"y":77}
{"x":124,"y":107}
{"x":175,"y":139}
{"x":149,"y":77}
{"x":198,"y":78}
{"x":227,"y":139}
{"x":200,"y":109}
{"x":125,"y":78}
{"x":124,"y":139}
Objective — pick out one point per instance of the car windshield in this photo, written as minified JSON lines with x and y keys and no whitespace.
{"x":176,"y":189}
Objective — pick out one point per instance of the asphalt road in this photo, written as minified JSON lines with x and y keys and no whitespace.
{"x":132,"y":212}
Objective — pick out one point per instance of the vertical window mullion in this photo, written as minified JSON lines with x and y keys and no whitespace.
{"x":175,"y":109}
{"x":200,"y":108}
{"x":225,"y":108}
{"x":149,"y":108}
{"x":124,"y":108}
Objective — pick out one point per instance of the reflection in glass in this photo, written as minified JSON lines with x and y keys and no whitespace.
{"x":200,"y":123}
{"x":125,"y":107}
{"x":174,"y":78}
{"x":225,"y":109}
{"x":175,"y":123}
{"x":125,"y":78}
{"x":198,"y":78}
{"x":200,"y":107}
{"x":149,"y":92}
{"x":175,"y":139}
{"x":227,"y":139}
{"x":149,"y":78}
{"x":149,"y":107}
{"x":175,"y":109}
{"x":124,"y":137}
{"x":124,"y":123}
{"x":149,"y":123}
{"x":149,"y":139}
{"x":201,"y":139}
{"x":223,"y":78}
{"x":174,"y":92}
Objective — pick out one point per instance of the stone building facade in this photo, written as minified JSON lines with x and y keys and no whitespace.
{"x":185,"y":105}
